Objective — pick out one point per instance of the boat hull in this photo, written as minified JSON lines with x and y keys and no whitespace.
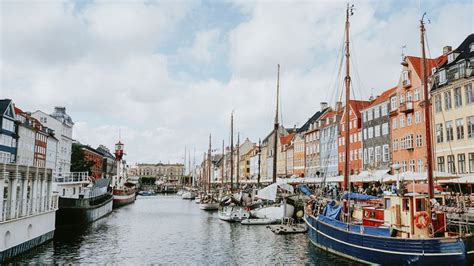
{"x":123,"y":199}
{"x":274,"y":212}
{"x":209,"y":206}
{"x":233,"y":214}
{"x":78,"y":212}
{"x":387,"y":250}
{"x":188,"y":195}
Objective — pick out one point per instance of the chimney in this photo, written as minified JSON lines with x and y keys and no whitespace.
{"x":338,"y":106}
{"x":447,"y":49}
{"x":324,"y":105}
{"x":60,"y":109}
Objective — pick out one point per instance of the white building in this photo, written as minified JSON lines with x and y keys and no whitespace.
{"x":51,"y":151}
{"x":26,"y":144}
{"x":62,"y":125}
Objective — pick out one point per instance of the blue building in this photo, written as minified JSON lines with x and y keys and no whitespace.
{"x":329,"y":133}
{"x":8,"y":132}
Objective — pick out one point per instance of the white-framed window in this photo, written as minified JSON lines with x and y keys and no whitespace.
{"x":385,"y":153}
{"x":417,"y":117}
{"x":384,"y":108}
{"x":409,"y":120}
{"x":377,"y":131}
{"x":442,"y":76}
{"x":365,"y":133}
{"x":402,"y":121}
{"x":393,"y":103}
{"x":468,"y":94}
{"x":378,"y":154}
{"x":369,"y":114}
{"x":371,"y":132}
{"x":420,"y":166}
{"x":371,"y":155}
{"x":417,"y":94}
{"x":419,"y":140}
{"x":394,"y":123}
{"x":385,"y":129}
{"x":376,"y":112}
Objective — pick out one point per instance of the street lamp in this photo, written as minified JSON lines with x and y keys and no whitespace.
{"x":396,"y":167}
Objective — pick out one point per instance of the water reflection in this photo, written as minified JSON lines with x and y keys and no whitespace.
{"x":169,"y":230}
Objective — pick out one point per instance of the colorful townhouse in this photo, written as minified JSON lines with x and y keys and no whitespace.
{"x":8,"y":133}
{"x":407,"y":116}
{"x":299,"y":155}
{"x":453,"y":110}
{"x":355,"y":138}
{"x":376,"y":141}
{"x":329,"y":132}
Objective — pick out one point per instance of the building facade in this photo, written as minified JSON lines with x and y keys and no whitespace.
{"x":329,"y":132}
{"x":26,"y":139}
{"x":160,"y":171}
{"x":453,"y":110}
{"x":311,"y":132}
{"x":8,"y":133}
{"x":376,"y":140}
{"x":299,"y":155}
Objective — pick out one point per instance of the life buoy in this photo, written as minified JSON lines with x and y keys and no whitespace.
{"x":422,"y":219}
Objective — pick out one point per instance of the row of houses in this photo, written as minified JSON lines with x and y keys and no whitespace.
{"x":385,"y":130}
{"x":44,"y":140}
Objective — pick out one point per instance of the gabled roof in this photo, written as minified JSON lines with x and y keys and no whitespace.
{"x":357,"y":105}
{"x":315,"y":117}
{"x":463,"y":50}
{"x":382,"y":97}
{"x":5,"y":106}
{"x":286,"y":139}
{"x":431,"y":63}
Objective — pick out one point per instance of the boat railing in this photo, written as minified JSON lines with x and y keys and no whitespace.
{"x":21,"y":208}
{"x":71,"y":177}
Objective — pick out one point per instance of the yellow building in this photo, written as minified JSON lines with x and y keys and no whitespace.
{"x":452,"y":99}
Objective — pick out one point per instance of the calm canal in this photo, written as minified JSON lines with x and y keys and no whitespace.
{"x":169,"y":230}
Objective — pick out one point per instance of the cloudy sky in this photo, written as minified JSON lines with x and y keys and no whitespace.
{"x":168,"y":73}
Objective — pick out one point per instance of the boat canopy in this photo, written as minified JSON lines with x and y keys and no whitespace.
{"x":270,"y":192}
{"x":332,"y":210}
{"x":358,"y":196}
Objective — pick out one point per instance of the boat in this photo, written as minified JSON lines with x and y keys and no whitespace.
{"x":262,"y":221}
{"x":124,"y":193}
{"x":188,"y":195}
{"x":398,"y":229}
{"x":180,"y":192}
{"x":276,"y":211}
{"x":90,"y":204}
{"x":233,"y":213}
{"x":197,"y":200}
{"x":207,"y":201}
{"x":146,"y":193}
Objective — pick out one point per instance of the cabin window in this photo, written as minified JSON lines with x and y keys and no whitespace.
{"x":406,"y":205}
{"x":420,"y":205}
{"x":387,"y":203}
{"x":64,"y":192}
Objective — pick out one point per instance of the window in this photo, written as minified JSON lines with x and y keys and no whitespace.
{"x":417,"y":94}
{"x":417,"y":117}
{"x":365,"y":133}
{"x":371,"y":155}
{"x":409,"y":141}
{"x":442,"y":76}
{"x":469,"y":95}
{"x":447,"y":100}
{"x":360,"y":153}
{"x":457,"y":97}
{"x":369,"y":115}
{"x":393,"y":103}
{"x":438,"y":107}
{"x":419,"y":140}
{"x":394,"y":123}
{"x":471,"y":162}
{"x":395,"y":144}
{"x":377,"y":131}
{"x":451,"y":164}
{"x":376,"y":112}
{"x":371,"y":132}
{"x":449,"y":131}
{"x":420,"y":205}
{"x":409,"y":97}
{"x":412,"y":165}
{"x":462,"y":69}
{"x":402,"y":121}
{"x":409,"y":120}
{"x":439,"y":133}
{"x":440,"y":160}
{"x":385,"y":129}
{"x":460,"y":128}
{"x":461,"y":163}
{"x":385,"y":153}
{"x":406,"y":205}
{"x":420,"y":166}
{"x":364,"y":119}
{"x":404,"y":166}
{"x":378,"y":154}
{"x":384,"y":109}
{"x":406,"y":77}
{"x":470,"y":126}
{"x":365,"y":156}
{"x":402,"y":99}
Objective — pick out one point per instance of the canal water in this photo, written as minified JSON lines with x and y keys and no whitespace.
{"x":169,"y":230}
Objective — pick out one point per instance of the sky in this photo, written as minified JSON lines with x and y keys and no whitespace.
{"x":166,"y":74}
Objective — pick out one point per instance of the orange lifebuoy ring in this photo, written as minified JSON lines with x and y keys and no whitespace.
{"x":422,"y":222}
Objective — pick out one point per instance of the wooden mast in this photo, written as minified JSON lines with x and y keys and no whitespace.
{"x":238,"y":159}
{"x":347,"y":107}
{"x":223,"y":162}
{"x":427,"y":106}
{"x":275,"y":129}
{"x":259,"y":156}
{"x":209,"y":160}
{"x":232,"y":151}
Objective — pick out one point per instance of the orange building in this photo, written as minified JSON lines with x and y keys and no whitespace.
{"x":355,"y":138}
{"x":407,"y":116}
{"x":91,"y":154}
{"x":298,"y":155}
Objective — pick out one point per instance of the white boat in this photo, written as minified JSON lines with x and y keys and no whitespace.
{"x":180,"y":192}
{"x":189,"y":195}
{"x":211,"y":206}
{"x":233,"y":213}
{"x":264,"y":221}
{"x":278,"y":212}
{"x":197,"y":200}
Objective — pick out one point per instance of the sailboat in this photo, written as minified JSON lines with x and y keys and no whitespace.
{"x":207,"y":201}
{"x":403,"y":229}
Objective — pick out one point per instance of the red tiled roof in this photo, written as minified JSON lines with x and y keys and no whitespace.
{"x":286,"y":139}
{"x":18,"y":110}
{"x":431,"y":63}
{"x":383,"y":97}
{"x":357,"y":105}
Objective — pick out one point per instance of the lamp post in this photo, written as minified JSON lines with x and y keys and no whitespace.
{"x":396,"y":167}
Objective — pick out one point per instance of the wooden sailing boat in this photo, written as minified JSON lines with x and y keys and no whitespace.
{"x":208,"y":202}
{"x":411,"y":231}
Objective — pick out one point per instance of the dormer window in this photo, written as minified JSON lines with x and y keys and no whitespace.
{"x":442,"y":77}
{"x":406,"y":78}
{"x":451,"y":57}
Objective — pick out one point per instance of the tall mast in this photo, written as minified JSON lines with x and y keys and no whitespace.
{"x":209,"y":165}
{"x":427,"y":106}
{"x":189,"y":165}
{"x":259,"y":156}
{"x":275,"y":129}
{"x":223,"y":161}
{"x":194,"y":168}
{"x":232,"y":151}
{"x":184,"y":163}
{"x":347,"y":107}
{"x":238,"y":158}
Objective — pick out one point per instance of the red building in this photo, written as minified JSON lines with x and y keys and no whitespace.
{"x":355,"y":138}
{"x":90,"y":154}
{"x":41,"y":140}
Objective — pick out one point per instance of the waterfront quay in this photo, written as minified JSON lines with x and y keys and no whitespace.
{"x":166,"y":229}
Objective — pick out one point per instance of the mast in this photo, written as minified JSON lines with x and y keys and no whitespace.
{"x":347,"y":108}
{"x":189,"y":166}
{"x":275,"y":130}
{"x":238,"y":159}
{"x":193,"y":183}
{"x":259,"y":156}
{"x":427,"y":106}
{"x":223,"y":161}
{"x":232,"y":151}
{"x":184,"y":163}
{"x":209,"y":165}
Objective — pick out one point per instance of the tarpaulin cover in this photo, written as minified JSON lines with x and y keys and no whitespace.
{"x":332,"y":210}
{"x":305,"y":190}
{"x":368,"y":230}
{"x":358,"y":196}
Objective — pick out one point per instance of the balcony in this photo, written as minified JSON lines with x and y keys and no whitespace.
{"x":72,"y":177}
{"x":406,"y":107}
{"x":406,"y":83}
